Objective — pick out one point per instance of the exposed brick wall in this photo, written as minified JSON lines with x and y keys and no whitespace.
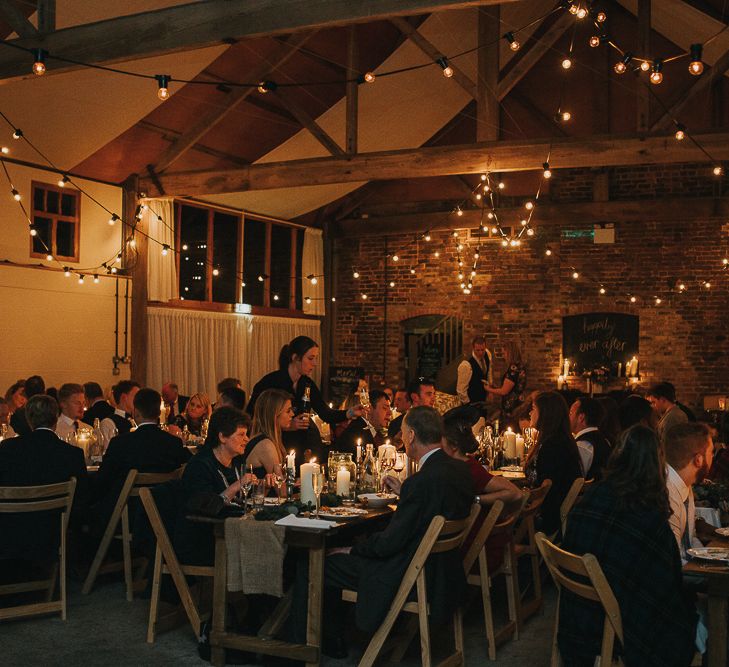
{"x":522,"y":293}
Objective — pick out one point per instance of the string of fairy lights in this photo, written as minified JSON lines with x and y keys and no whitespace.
{"x":485,"y":193}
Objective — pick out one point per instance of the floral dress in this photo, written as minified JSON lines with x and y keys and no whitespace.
{"x":517,"y":374}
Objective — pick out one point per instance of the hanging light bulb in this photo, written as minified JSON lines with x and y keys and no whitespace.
{"x":112,"y":220}
{"x":163,"y":81}
{"x":681,"y":287}
{"x":494,"y":230}
{"x":49,"y":257}
{"x":133,"y":244}
{"x":633,"y":299}
{"x":523,"y":223}
{"x":275,"y":297}
{"x":16,"y":194}
{"x":355,"y":274}
{"x":696,"y":66}
{"x":62,"y":181}
{"x":575,"y":275}
{"x":658,"y":301}
{"x":412,"y":272}
{"x":594,"y":41}
{"x":707,"y":285}
{"x":364,"y":297}
{"x":260,"y":279}
{"x":581,"y":13}
{"x":264,"y":87}
{"x":602,"y":290}
{"x":725,"y":261}
{"x":566,"y":63}
{"x":436,"y":254}
{"x":17,"y":133}
{"x":33,"y":231}
{"x":427,"y":236}
{"x":574,"y":8}
{"x":369,"y":77}
{"x":39,"y":63}
{"x":216,"y":272}
{"x":478,"y":196}
{"x":447,"y":69}
{"x":66,"y":272}
{"x":490,"y":215}
{"x":113,"y":269}
{"x":680,"y":132}
{"x":4,"y":150}
{"x":96,"y":278}
{"x":656,"y":75}
{"x":395,"y":258}
{"x":529,"y":206}
{"x":645,"y":66}
{"x":502,"y":185}
{"x":601,"y":17}
{"x":547,"y":173}
{"x":165,"y":249}
{"x":718,"y":170}
{"x":548,"y":252}
{"x":307,"y":299}
{"x":530,"y":232}
{"x":459,"y":212}
{"x":80,"y":278}
{"x":564,"y":116}
{"x":505,"y":243}
{"x":513,"y":44}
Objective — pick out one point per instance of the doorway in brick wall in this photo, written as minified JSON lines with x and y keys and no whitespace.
{"x":432,"y":343}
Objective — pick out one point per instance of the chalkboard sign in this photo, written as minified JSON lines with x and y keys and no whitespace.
{"x":429,"y":360}
{"x":342,"y":382}
{"x":599,"y":340}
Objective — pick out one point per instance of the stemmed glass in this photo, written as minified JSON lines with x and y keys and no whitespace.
{"x":279,"y":478}
{"x":318,"y":482}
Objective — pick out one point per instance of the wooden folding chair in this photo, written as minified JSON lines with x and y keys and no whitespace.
{"x":165,"y":562}
{"x":441,"y":536}
{"x":481,"y":577}
{"x":26,"y":499}
{"x":132,"y":485}
{"x":561,"y":565}
{"x":525,"y":545}
{"x":568,"y":503}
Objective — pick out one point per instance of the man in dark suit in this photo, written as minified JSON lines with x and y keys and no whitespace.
{"x":34,"y":385}
{"x":124,"y":393}
{"x":371,"y":430}
{"x":442,"y":486}
{"x":97,"y":406}
{"x":38,"y":458}
{"x":147,"y":449}
{"x":174,"y":400}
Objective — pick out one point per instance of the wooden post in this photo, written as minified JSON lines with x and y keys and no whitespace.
{"x":644,"y":41}
{"x":46,"y":16}
{"x":139,"y":282}
{"x":487,"y":123}
{"x":352,"y":90}
{"x":327,"y":328}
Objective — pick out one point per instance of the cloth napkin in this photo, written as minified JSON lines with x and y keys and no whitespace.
{"x":256,"y":553}
{"x":301,"y":522}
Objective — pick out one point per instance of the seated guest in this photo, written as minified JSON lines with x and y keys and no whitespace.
{"x":474,"y":372}
{"x":71,"y":402}
{"x":38,"y":458}
{"x":662,"y":397}
{"x":173,"y":400}
{"x":374,"y":567}
{"x":634,"y":410}
{"x":401,"y":403}
{"x":34,"y":385}
{"x":420,"y":392}
{"x":460,"y":443}
{"x":390,"y":396}
{"x":231,"y":397}
{"x":97,"y":406}
{"x":689,"y":452}
{"x":147,"y":449}
{"x":585,"y":415}
{"x":513,"y":382}
{"x":265,"y":449}
{"x":15,"y":396}
{"x":197,"y":410}
{"x":371,"y":429}
{"x":210,"y":471}
{"x":610,"y":424}
{"x":4,"y":412}
{"x":226,"y":384}
{"x":623,"y":521}
{"x":554,"y":456}
{"x":124,"y":393}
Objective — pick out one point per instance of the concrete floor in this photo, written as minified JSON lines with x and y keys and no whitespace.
{"x":104,"y":629}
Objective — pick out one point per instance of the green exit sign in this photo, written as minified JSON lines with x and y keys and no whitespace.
{"x":578,"y":233}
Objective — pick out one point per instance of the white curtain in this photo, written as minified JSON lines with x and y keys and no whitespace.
{"x":312,"y":264}
{"x":196,"y":349}
{"x":161,"y":269}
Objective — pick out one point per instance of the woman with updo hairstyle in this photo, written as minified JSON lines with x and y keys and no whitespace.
{"x":296,"y":363}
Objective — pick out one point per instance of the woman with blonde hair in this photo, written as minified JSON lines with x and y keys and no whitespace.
{"x":514,"y":381}
{"x":197,"y":410}
{"x":272,"y":414}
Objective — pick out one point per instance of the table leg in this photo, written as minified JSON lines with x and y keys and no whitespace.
{"x":717,"y":631}
{"x":220,"y":582}
{"x":316,"y":590}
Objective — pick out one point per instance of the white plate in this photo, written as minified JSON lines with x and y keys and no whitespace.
{"x":724,"y":532}
{"x":376,"y":499}
{"x":709,"y":553}
{"x":342,"y":513}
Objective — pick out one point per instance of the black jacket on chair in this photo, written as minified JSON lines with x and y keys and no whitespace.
{"x":33,"y":460}
{"x":99,"y":410}
{"x":443,"y":486}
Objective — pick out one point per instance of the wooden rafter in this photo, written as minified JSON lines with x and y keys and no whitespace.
{"x":523,"y":155}
{"x":307,"y":122}
{"x":644,"y":40}
{"x":549,"y":123}
{"x":487,"y":81}
{"x":208,"y":121}
{"x":17,"y":20}
{"x":46,"y":16}
{"x":350,"y":142}
{"x":200,"y":24}
{"x":430,"y":50}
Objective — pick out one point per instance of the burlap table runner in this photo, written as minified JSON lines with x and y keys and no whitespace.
{"x":256,"y":552}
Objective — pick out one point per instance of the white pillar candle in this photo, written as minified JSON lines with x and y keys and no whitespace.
{"x":291,"y":460}
{"x":519,"y":447}
{"x":633,"y":367}
{"x":510,"y":444}
{"x":560,"y":382}
{"x":359,"y":449}
{"x":566,"y":368}
{"x":343,"y":482}
{"x":307,"y":486}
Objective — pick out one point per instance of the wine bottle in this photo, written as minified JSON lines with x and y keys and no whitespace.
{"x":369,"y":476}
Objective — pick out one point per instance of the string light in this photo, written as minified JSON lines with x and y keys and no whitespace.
{"x":18,"y":133}
{"x":96,"y":278}
{"x":4,"y":150}
{"x":392,"y":283}
{"x":66,"y":272}
{"x":601,"y":17}
{"x":355,"y":274}
{"x":658,"y":301}
{"x":264,"y":87}
{"x":530,"y":232}
{"x":16,"y":194}
{"x":656,"y":75}
{"x":334,"y":298}
{"x":275,"y":297}
{"x":501,"y":185}
{"x":39,"y":63}
{"x":622,"y":65}
{"x":548,"y":252}
{"x":547,"y":173}
{"x":594,"y":41}
{"x":395,"y":258}
{"x":529,"y":206}
{"x":312,"y":279}
{"x":447,"y":69}
{"x":575,"y":275}
{"x":696,"y":66}
{"x":307,"y":299}
{"x":112,"y":220}
{"x":564,"y":116}
{"x":427,"y":236}
{"x":513,"y":44}
{"x":581,"y":13}
{"x":33,"y":231}
{"x":216,"y":272}
{"x":459,"y":212}
{"x":680,"y":132}
{"x":725,"y":261}
{"x":412,"y":272}
{"x":133,"y":244}
{"x":602,"y":290}
{"x":718,"y":170}
{"x":165,"y":249}
{"x":62,"y":181}
{"x":80,"y":278}
{"x":633,"y":299}
{"x":49,"y":257}
{"x":163,"y":81}
{"x":369,"y":77}
{"x":645,"y":66}
{"x":681,"y":287}
{"x":364,"y":296}
{"x":707,"y":285}
{"x":566,"y":63}
{"x":436,"y":254}
{"x":260,"y":279}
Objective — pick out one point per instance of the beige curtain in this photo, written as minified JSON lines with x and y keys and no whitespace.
{"x":196,"y":349}
{"x":162,"y":282}
{"x":312,"y":264}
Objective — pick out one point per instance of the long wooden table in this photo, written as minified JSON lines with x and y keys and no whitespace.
{"x":316,"y":542}
{"x":717,"y":588}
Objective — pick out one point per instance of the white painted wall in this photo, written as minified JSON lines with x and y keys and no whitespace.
{"x":49,"y":324}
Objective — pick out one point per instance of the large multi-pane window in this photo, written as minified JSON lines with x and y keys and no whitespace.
{"x":226,"y":258}
{"x":56,"y":221}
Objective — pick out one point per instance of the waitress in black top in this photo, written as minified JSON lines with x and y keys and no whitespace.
{"x":296,"y":363}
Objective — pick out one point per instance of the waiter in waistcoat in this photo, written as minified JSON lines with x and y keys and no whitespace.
{"x":472,"y":371}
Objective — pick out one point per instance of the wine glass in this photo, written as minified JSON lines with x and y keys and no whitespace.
{"x":318,"y":482}
{"x":364,"y":398}
{"x":279,"y":477}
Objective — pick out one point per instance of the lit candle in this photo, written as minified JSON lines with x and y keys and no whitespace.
{"x":307,"y":485}
{"x":519,"y":447}
{"x":343,"y":482}
{"x":359,"y":449}
{"x":633,"y":367}
{"x":510,"y":444}
{"x":560,"y":382}
{"x":566,"y":368}
{"x":291,"y":460}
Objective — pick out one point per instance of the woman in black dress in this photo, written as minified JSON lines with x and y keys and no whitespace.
{"x":513,"y":383}
{"x":297,"y":362}
{"x":197,"y":410}
{"x":554,"y":456}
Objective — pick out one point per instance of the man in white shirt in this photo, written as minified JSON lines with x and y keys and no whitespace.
{"x":473,"y":371}
{"x":689,"y":453}
{"x":71,"y":401}
{"x":120,"y":422}
{"x":594,"y":448}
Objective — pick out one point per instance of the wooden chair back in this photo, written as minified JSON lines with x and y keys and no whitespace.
{"x":28,"y":499}
{"x":455,"y":531}
{"x":571,"y":572}
{"x":569,"y":501}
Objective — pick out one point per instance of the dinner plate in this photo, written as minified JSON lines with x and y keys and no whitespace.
{"x":511,"y":469}
{"x":376,"y":499}
{"x":341,"y":512}
{"x":709,"y":553}
{"x":724,"y":532}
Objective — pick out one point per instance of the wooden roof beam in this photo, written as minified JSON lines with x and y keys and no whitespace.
{"x":309,"y":123}
{"x":17,"y":20}
{"x":200,"y":24}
